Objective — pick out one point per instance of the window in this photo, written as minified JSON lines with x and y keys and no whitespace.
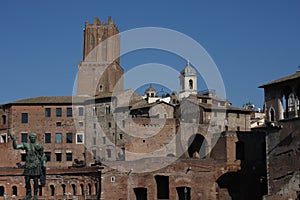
{"x":69,"y":138}
{"x":238,"y":128}
{"x":94,"y":140}
{"x":101,"y":88}
{"x":94,"y":111}
{"x":109,"y":124}
{"x":48,"y":156}
{"x":94,"y":126}
{"x":58,"y":157}
{"x":215,"y":114}
{"x":47,"y":112}
{"x":3,"y":119}
{"x":58,"y":138}
{"x":52,"y":190}
{"x":24,"y":137}
{"x":2,"y":190}
{"x":14,"y":190}
{"x":3,"y":138}
{"x":162,"y":186}
{"x":108,"y":153}
{"x":113,"y":179}
{"x":69,"y":112}
{"x":79,"y":138}
{"x":272,"y":115}
{"x":58,"y":123}
{"x":23,"y":157}
{"x":80,"y":111}
{"x":58,"y":112}
{"x":104,"y":140}
{"x":69,"y":157}
{"x":226,"y":128}
{"x":121,"y":136}
{"x":24,"y":118}
{"x":80,"y":123}
{"x":107,"y":109}
{"x":238,"y":115}
{"x":123,"y":123}
{"x":63,"y":187}
{"x":191,"y":84}
{"x":47,"y":138}
{"x":74,"y":189}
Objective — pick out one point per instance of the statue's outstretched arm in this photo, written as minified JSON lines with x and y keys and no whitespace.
{"x":15,"y":145}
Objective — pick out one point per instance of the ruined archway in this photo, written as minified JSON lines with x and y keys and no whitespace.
{"x":229,"y":186}
{"x":197,"y":146}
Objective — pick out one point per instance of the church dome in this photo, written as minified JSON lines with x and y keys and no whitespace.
{"x":189,"y":70}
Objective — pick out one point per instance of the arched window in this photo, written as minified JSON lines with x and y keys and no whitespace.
{"x":14,"y":190}
{"x":63,"y":188}
{"x":82,"y":189}
{"x":52,"y":190}
{"x":291,"y":102}
{"x":107,"y":109}
{"x":89,"y":189}
{"x":191,"y":84}
{"x":74,"y":189}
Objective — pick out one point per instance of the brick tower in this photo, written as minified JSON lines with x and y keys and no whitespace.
{"x":100,"y":70}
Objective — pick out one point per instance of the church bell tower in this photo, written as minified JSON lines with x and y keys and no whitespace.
{"x":188,"y":81}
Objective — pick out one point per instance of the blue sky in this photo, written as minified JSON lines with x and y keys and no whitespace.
{"x":251,"y":42}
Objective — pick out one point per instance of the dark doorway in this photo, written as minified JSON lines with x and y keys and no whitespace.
{"x":162,"y":183}
{"x":140,"y":193}
{"x":1,"y":191}
{"x":184,"y":193}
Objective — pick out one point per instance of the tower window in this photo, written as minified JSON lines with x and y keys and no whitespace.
{"x":191,"y":84}
{"x":100,"y":88}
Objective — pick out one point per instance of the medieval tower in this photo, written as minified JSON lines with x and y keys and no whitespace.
{"x":100,"y":71}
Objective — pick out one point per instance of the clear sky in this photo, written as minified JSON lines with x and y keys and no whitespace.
{"x":251,"y":42}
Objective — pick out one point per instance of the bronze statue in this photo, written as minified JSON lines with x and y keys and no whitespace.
{"x":35,"y":165}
